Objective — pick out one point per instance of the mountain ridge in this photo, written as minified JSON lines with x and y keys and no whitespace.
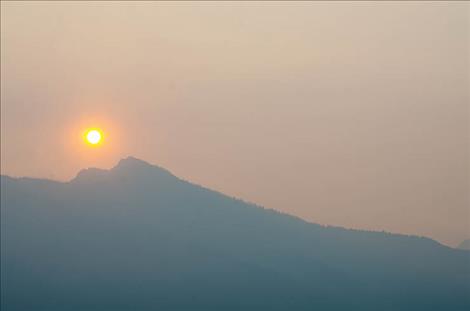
{"x":138,"y":237}
{"x":133,"y":164}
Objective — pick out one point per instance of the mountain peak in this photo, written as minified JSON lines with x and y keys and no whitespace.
{"x":129,"y":166}
{"x":132,"y":162}
{"x":132,"y":166}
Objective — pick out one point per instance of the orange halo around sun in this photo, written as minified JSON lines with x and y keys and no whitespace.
{"x":94,"y":136}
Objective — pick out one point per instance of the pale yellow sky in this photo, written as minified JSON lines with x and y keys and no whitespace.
{"x":353,"y":114}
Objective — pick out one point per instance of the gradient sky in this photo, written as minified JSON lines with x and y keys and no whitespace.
{"x":353,"y":114}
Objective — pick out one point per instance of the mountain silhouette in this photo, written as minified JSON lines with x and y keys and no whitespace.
{"x":136,"y":237}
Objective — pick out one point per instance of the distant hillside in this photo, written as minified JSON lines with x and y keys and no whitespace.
{"x":465,"y":245}
{"x":138,"y":238}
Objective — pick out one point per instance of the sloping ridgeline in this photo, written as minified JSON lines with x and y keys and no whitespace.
{"x":138,"y":238}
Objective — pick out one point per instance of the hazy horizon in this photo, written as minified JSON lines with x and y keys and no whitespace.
{"x":348,"y":114}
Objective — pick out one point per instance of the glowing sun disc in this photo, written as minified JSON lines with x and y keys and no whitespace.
{"x":93,"y":137}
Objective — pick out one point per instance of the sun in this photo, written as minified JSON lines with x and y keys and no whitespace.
{"x":93,"y":136}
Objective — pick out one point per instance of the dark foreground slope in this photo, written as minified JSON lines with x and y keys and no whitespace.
{"x":138,"y":238}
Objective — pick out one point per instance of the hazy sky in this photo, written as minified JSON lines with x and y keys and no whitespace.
{"x":353,"y":114}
